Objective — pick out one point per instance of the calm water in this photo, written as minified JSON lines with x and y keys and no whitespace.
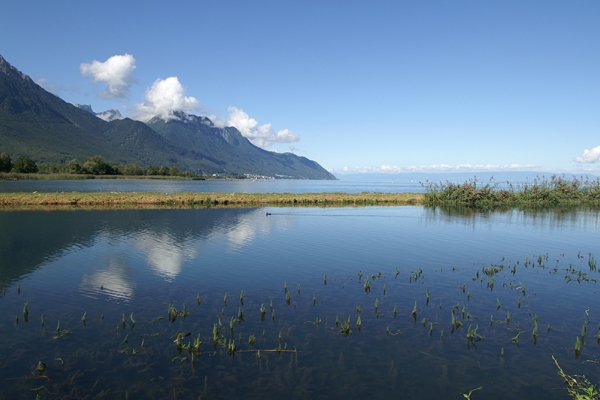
{"x":225,"y":186}
{"x":120,"y":266}
{"x":398,"y":183}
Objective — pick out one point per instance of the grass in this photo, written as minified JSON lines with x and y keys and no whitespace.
{"x":542,"y":192}
{"x":578,"y":386}
{"x":185,"y":200}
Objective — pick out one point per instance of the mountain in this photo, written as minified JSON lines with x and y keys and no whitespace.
{"x":39,"y":124}
{"x":232,"y":151}
{"x":108,"y":115}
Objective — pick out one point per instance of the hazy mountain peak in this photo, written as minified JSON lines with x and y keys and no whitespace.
{"x":85,"y":107}
{"x":109,"y":115}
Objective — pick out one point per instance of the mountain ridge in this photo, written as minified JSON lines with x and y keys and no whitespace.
{"x":38,"y":123}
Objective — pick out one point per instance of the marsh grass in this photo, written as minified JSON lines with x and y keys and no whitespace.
{"x":542,"y":192}
{"x":191,"y":200}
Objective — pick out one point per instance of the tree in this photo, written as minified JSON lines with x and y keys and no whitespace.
{"x":174,"y":171}
{"x":74,"y":167}
{"x":5,"y":163}
{"x":132,"y":169}
{"x":152,"y":170}
{"x":25,"y":165}
{"x":96,"y":165}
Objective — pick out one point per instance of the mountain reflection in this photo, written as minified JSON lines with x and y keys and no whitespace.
{"x":166,"y":239}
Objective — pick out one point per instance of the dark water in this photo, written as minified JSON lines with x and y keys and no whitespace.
{"x":118,"y":265}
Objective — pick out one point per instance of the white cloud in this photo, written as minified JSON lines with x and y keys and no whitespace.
{"x":589,"y":156}
{"x":115,"y":72}
{"x":164,"y":98}
{"x":260,"y":135}
{"x":394,"y":169}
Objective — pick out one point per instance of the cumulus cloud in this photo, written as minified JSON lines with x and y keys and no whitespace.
{"x":589,"y":156}
{"x":115,"y":72}
{"x":164,"y":98}
{"x":260,"y":135}
{"x":394,"y":169}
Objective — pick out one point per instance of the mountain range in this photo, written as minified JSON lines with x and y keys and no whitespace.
{"x":37,"y":123}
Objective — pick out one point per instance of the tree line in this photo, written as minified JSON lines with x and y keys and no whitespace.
{"x":95,"y":165}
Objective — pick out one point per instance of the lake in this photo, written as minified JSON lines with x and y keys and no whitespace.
{"x":108,"y":292}
{"x":393,"y":183}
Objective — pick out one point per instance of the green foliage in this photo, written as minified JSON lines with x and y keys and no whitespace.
{"x":174,"y":171}
{"x":96,"y":165}
{"x":5,"y":163}
{"x":543,"y":192}
{"x":578,"y":387}
{"x":25,"y":165}
{"x":131,"y":170}
{"x":74,"y":167}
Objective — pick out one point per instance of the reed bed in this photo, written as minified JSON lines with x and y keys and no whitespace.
{"x":188,"y":200}
{"x":542,"y":192}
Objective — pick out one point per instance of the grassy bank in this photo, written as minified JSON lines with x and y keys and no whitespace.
{"x":542,"y":192}
{"x":160,"y":200}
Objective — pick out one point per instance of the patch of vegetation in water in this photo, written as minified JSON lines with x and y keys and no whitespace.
{"x":542,"y":192}
{"x":483,"y":330}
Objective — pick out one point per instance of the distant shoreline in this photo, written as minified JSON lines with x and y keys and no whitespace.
{"x":114,"y":200}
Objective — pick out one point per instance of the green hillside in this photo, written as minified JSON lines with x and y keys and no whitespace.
{"x":233,"y":152}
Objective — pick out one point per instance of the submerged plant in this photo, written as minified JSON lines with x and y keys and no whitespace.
{"x":578,"y":386}
{"x":468,"y":395}
{"x":26,"y":312}
{"x":345,"y":330}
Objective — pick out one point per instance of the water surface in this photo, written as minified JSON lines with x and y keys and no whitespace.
{"x":110,"y":264}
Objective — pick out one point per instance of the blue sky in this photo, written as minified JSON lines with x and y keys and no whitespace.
{"x":390,"y":86}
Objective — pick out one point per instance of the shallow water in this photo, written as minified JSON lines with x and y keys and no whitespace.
{"x":110,"y":264}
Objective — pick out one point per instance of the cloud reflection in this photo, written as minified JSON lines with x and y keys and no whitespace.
{"x":114,"y":282}
{"x":249,"y":225}
{"x":164,"y":254}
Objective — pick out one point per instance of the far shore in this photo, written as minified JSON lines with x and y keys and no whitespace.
{"x":114,"y":200}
